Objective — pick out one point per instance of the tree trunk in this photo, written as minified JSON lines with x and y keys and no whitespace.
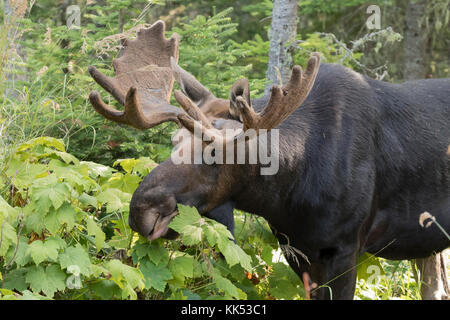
{"x":415,"y":41}
{"x":434,"y":278}
{"x":284,"y":30}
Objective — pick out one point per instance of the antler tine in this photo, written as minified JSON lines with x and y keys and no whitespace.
{"x":283,"y":101}
{"x":200,"y":130}
{"x":136,"y":114}
{"x":191,"y":109}
{"x":107,"y":83}
{"x":195,"y":120}
{"x":105,"y":110}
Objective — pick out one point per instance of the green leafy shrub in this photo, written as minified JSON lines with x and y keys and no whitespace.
{"x":65,"y":235}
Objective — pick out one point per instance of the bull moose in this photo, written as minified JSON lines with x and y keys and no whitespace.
{"x":359,"y":159}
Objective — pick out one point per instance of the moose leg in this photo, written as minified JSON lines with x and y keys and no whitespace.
{"x":332,"y":278}
{"x":336,"y":277}
{"x":331,"y":273}
{"x":224,"y":215}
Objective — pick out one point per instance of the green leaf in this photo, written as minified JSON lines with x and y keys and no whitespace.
{"x":58,"y":144}
{"x":216,"y":232}
{"x":34,"y":218}
{"x":190,"y":295}
{"x":45,"y":251}
{"x":9,"y":237}
{"x":23,"y":174}
{"x":106,"y":289}
{"x":57,"y":218}
{"x":76,"y":256}
{"x":284,"y":283}
{"x":155,"y":276}
{"x":177,"y":295}
{"x":94,"y":230}
{"x":192,"y":235}
{"x":144,"y":165}
{"x":283,"y":289}
{"x":114,"y":199}
{"x":48,"y":280}
{"x":88,"y":200}
{"x":182,"y":267}
{"x":267,"y":255}
{"x":72,"y":177}
{"x":28,"y":295}
{"x":154,"y":251}
{"x":225,"y":285}
{"x":187,"y":216}
{"x":126,"y":164}
{"x":234,"y":254}
{"x":39,"y":252}
{"x":67,"y":157}
{"x":122,"y":274}
{"x":50,"y":195}
{"x":97,"y":170}
{"x":6,"y":210}
{"x":97,"y":270}
{"x":15,"y":279}
{"x":125,"y":182}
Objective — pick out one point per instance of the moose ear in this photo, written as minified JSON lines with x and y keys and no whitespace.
{"x":239,"y":88}
{"x":190,"y":86}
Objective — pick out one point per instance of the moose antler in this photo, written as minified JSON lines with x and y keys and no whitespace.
{"x":283,"y":102}
{"x":143,"y":80}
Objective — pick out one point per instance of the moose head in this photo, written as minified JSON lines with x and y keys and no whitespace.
{"x":144,"y":77}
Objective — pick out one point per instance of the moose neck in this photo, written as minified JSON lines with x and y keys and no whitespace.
{"x":270,"y":195}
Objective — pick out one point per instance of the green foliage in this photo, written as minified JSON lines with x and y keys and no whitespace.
{"x":51,"y":97}
{"x":380,"y":279}
{"x":63,"y":222}
{"x":56,"y":217}
{"x":65,"y":235}
{"x":207,"y":51}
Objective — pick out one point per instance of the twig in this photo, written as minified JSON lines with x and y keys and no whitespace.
{"x":19,"y":231}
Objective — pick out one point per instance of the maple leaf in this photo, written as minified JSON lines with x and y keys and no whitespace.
{"x":49,"y":195}
{"x":57,"y":218}
{"x":182,"y":267}
{"x":48,"y":280}
{"x":76,"y":256}
{"x":155,"y":276}
{"x":45,"y":251}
